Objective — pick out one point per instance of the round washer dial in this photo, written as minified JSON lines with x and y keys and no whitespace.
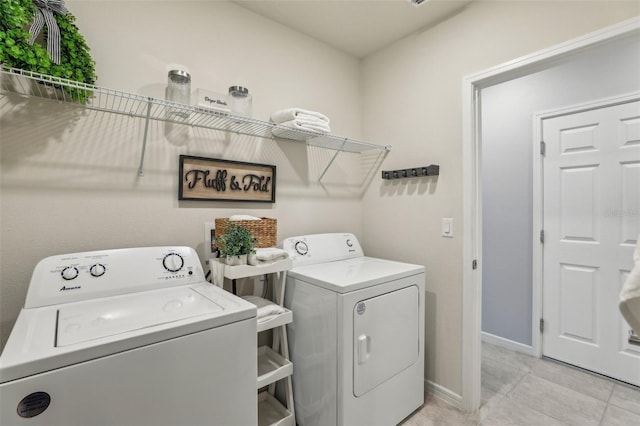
{"x":173,"y":262}
{"x":69,"y":273}
{"x":97,"y":270}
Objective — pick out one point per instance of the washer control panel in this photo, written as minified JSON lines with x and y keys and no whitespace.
{"x":318,"y":248}
{"x":88,"y":275}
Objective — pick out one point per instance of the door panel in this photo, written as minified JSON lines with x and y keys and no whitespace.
{"x":591,"y":220}
{"x":630,"y":202}
{"x":578,"y":288}
{"x":579,"y":203}
{"x":630,"y":131}
{"x":385,"y":337}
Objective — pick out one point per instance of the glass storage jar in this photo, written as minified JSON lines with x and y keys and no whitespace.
{"x":240,"y":101}
{"x":179,"y":90}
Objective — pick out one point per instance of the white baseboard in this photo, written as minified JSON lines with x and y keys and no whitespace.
{"x":444,"y":394}
{"x":507,"y":344}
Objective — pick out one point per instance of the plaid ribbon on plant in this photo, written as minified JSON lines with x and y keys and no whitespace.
{"x":44,"y":15}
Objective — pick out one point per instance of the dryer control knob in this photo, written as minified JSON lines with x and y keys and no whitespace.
{"x":173,"y":262}
{"x":301,"y":248}
{"x":97,"y":270}
{"x":69,"y":273}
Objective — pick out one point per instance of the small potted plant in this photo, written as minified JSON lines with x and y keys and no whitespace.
{"x":235,"y":244}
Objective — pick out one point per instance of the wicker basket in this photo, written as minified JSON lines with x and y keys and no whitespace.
{"x":264,"y":230}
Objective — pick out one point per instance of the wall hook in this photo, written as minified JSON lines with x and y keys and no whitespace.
{"x":431,"y":170}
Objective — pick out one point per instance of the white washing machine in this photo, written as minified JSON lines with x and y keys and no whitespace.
{"x":129,"y":337}
{"x":357,"y":337}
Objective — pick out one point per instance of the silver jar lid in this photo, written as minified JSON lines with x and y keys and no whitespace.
{"x":180,"y":73}
{"x":238,"y":91}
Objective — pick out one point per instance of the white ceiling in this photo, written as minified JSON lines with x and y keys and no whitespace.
{"x":357,"y":27}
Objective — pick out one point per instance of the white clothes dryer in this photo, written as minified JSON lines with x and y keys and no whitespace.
{"x":357,"y":337}
{"x":129,"y":337}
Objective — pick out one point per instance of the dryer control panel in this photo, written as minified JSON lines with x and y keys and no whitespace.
{"x":88,"y":275}
{"x":319,"y":248}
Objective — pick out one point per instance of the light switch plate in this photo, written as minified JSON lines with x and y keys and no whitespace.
{"x":447,"y":227}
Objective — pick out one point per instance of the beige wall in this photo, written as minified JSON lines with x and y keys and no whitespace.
{"x":69,"y":180}
{"x":420,"y":79}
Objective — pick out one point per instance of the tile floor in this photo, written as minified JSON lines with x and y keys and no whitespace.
{"x":520,"y":390}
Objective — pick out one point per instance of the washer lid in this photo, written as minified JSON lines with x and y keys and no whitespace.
{"x":51,"y":337}
{"x":343,"y":276}
{"x":100,"y":318}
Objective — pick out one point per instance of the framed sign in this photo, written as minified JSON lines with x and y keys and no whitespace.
{"x":210,"y":179}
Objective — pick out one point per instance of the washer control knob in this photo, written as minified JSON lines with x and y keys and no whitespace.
{"x":97,"y":270}
{"x":349,"y":243}
{"x":173,"y":262}
{"x":301,"y":248}
{"x":69,"y":273}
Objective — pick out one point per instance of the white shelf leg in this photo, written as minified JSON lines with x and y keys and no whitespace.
{"x":278,"y":287}
{"x":289,"y":395}
{"x":284,"y":343}
{"x":144,"y":140}
{"x":332,"y":159}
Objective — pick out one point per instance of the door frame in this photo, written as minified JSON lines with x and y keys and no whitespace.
{"x":472,"y":190}
{"x":538,"y":197}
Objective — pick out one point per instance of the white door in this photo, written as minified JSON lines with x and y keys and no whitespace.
{"x":591,"y":222}
{"x":385,"y":337}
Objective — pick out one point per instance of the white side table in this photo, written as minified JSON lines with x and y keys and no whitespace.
{"x":273,"y":361}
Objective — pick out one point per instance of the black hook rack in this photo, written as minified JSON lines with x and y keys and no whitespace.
{"x":431,"y":170}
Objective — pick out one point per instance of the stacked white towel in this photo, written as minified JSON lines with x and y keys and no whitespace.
{"x":217,"y":272}
{"x":298,"y":119}
{"x":238,"y":217}
{"x":630,"y":294}
{"x":266,"y":256}
{"x":298,"y":114}
{"x":266,"y":308}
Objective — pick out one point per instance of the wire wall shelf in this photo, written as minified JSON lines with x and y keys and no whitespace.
{"x":35,"y":85}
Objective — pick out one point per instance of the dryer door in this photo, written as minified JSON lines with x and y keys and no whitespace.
{"x":385,"y":337}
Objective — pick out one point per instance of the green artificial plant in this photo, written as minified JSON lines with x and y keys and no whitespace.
{"x":17,"y":52}
{"x":236,"y":241}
